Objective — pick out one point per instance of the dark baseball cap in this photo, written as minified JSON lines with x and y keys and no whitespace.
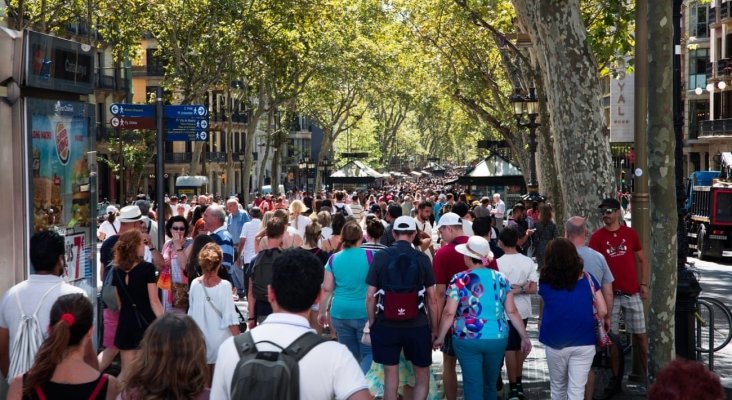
{"x":610,"y":203}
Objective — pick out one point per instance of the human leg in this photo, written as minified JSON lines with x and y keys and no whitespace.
{"x":635,"y":323}
{"x":386,"y":351}
{"x":492,"y":350}
{"x":417,"y":345}
{"x":391,"y":382}
{"x":449,"y":369}
{"x":364,"y":350}
{"x":347,"y":336}
{"x":557,"y":363}
{"x":471,"y":365}
{"x":580,"y":362}
{"x":126,"y":357}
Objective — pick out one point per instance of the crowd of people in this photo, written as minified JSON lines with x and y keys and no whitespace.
{"x":391,"y":275}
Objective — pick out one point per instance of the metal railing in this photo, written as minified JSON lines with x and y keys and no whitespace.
{"x":717,"y":127}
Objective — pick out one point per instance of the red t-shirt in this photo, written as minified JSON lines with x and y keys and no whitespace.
{"x":619,"y":249}
{"x":449,"y":262}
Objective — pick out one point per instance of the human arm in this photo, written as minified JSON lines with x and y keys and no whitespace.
{"x":371,"y":304}
{"x":4,"y":351}
{"x":328,"y":285}
{"x":600,"y":305}
{"x":644,"y":276}
{"x":433,"y":310}
{"x":607,"y":294}
{"x":440,"y":296}
{"x":362,"y":394}
{"x":251,"y":305}
{"x":445,"y":322}
{"x":15,"y":392}
{"x":152,"y":294}
{"x":530,"y":287}
{"x":518,"y":324}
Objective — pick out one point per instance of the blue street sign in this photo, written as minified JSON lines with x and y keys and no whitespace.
{"x":132,"y":110}
{"x":196,"y":136}
{"x":186,"y":123}
{"x":192,"y":111}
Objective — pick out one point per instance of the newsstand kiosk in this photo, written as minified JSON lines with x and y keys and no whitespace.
{"x":47,"y":158}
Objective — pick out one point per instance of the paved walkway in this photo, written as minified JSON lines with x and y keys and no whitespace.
{"x":536,"y":374}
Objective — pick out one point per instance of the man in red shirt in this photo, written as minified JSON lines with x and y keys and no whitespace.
{"x":621,"y":247}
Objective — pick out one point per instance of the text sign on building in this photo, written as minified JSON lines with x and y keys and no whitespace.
{"x":132,"y":116}
{"x":186,"y":123}
{"x":622,"y":121}
{"x":58,"y":64}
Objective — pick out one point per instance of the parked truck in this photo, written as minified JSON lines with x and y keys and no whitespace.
{"x":709,"y":210}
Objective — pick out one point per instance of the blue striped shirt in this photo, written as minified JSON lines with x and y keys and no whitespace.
{"x":222,"y":237}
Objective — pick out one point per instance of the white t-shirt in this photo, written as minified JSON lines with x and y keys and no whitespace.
{"x":31,"y":291}
{"x":108,"y":229}
{"x":328,"y":371}
{"x":519,"y":269}
{"x":302,"y":223}
{"x":338,"y":206}
{"x":248,"y":232}
{"x":425,"y":227}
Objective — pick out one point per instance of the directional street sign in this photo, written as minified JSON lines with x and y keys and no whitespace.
{"x":192,"y":110}
{"x":132,"y":116}
{"x":132,"y":123}
{"x":132,"y":110}
{"x":186,"y":123}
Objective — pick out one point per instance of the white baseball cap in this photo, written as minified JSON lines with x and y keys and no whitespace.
{"x":404,"y":223}
{"x":449,"y":219}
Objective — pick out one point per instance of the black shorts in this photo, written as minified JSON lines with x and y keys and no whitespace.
{"x":447,"y":348}
{"x":388,"y":342}
{"x":514,"y":340}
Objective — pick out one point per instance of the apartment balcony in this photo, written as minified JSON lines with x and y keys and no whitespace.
{"x":110,"y":83}
{"x":237,"y":117}
{"x":718,"y":128}
{"x":725,"y":12}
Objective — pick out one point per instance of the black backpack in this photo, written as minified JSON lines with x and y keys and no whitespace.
{"x":262,"y":272}
{"x":341,"y":210}
{"x":270,"y":374}
{"x":402,"y":290}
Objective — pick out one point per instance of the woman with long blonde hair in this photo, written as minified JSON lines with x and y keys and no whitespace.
{"x":297,"y":219}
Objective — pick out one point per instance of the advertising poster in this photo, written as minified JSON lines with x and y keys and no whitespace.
{"x":59,"y":174}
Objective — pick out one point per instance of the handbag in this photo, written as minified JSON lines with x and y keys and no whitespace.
{"x":180,"y":296}
{"x":165,"y":281}
{"x":602,"y":338}
{"x":109,"y":292}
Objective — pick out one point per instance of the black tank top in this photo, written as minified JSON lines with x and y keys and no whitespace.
{"x":96,"y":389}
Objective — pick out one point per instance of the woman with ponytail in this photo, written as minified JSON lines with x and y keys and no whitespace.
{"x":59,"y":371}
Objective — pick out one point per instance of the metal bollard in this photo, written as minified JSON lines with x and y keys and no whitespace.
{"x":687,"y":293}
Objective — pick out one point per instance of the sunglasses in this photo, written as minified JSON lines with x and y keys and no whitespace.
{"x":608,"y":211}
{"x":178,"y":228}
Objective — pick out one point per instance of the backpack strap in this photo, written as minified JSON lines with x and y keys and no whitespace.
{"x":39,"y":393}
{"x":302,"y":345}
{"x":40,"y":303}
{"x":245,"y":344}
{"x":100,"y":385}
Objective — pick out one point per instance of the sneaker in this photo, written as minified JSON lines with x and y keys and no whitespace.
{"x":520,"y":390}
{"x":513,"y":395}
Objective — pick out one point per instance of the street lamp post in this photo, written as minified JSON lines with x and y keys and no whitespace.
{"x":528,"y":106}
{"x":307,"y":165}
{"x":325,"y":167}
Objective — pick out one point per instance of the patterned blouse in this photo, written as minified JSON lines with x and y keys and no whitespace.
{"x":480,"y":294}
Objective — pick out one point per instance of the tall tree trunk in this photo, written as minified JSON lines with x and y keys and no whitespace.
{"x":582,"y":150}
{"x":661,"y":146}
{"x":253,"y":117}
{"x":230,"y":184}
{"x":324,"y":154}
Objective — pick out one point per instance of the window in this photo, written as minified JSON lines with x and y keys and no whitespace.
{"x":699,"y":20}
{"x":698,"y":111}
{"x":722,"y":211}
{"x":698,"y":61}
{"x":155,"y":63}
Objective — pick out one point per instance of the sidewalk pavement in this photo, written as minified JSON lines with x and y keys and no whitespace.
{"x":536,"y":374}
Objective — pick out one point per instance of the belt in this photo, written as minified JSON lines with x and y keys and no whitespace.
{"x":621,"y":293}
